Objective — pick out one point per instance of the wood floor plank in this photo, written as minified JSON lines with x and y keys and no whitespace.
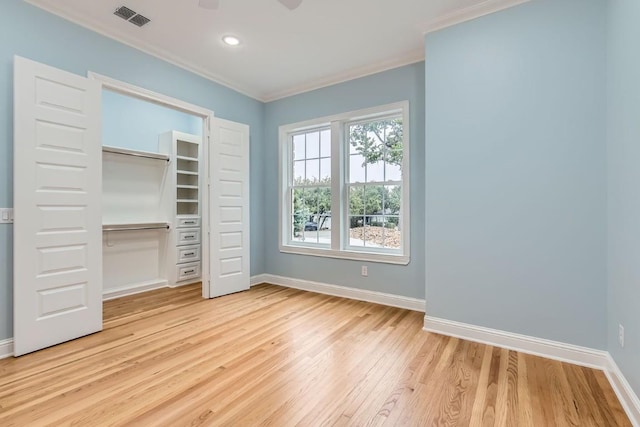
{"x":273,"y":356}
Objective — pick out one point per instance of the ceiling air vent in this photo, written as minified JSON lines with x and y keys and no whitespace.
{"x":131,"y":16}
{"x":140,"y":20}
{"x":124,"y":12}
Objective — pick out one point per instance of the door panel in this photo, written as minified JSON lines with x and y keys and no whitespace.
{"x":57,"y":203}
{"x":229,"y":208}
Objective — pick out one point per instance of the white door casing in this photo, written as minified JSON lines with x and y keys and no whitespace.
{"x":229,"y":208}
{"x":57,"y":202}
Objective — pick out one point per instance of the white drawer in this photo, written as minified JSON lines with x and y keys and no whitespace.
{"x":188,"y":253}
{"x":188,"y":271}
{"x":187,"y":236}
{"x":188,"y":222}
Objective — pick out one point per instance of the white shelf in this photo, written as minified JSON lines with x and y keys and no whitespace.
{"x":135,"y":153}
{"x":187,"y":201}
{"x":187,"y":173}
{"x":187,"y":187}
{"x":190,"y":159}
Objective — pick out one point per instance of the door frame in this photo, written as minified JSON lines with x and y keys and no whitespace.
{"x":207,"y":120}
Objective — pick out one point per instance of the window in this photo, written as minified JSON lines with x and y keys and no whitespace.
{"x":345,"y":186}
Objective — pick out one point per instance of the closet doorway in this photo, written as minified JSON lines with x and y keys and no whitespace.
{"x":144,"y":217}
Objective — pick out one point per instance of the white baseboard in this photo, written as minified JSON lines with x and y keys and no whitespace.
{"x":577,"y":355}
{"x":414,"y":304}
{"x":628,"y":398}
{"x":258,"y":279}
{"x":6,"y":348}
{"x":582,"y":356}
{"x":123,"y":291}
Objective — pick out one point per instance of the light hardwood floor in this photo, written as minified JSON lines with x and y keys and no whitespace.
{"x":279,"y":357}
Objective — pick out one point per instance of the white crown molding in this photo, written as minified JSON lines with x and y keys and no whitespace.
{"x":147,"y":48}
{"x":354,"y":73}
{"x":6,"y":348}
{"x":628,"y":398}
{"x":555,"y":350}
{"x":472,"y":12}
{"x":391,"y":300}
{"x":96,"y":26}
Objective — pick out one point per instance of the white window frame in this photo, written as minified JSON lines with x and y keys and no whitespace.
{"x":339,"y":247}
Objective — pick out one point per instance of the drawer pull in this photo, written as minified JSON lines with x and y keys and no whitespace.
{"x":189,"y":271}
{"x":189,"y":254}
{"x":189,"y":222}
{"x":189,"y":237}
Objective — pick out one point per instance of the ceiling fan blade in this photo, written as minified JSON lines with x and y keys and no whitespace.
{"x":210,"y":4}
{"x":291,"y":4}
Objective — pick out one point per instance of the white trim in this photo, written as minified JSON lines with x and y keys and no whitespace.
{"x":149,"y":95}
{"x":123,"y":291}
{"x":628,"y":398}
{"x":207,"y":117}
{"x":555,"y":350}
{"x":6,"y":348}
{"x":352,"y":74}
{"x":346,"y":254}
{"x":391,"y":300}
{"x":469,"y":13}
{"x":259,"y":279}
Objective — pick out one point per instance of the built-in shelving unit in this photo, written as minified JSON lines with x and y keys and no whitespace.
{"x":182,"y":197}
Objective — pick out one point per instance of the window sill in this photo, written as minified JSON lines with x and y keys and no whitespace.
{"x":347,"y":255}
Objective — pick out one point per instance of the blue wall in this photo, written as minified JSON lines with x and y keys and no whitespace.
{"x":405,"y":83}
{"x":516,"y":186}
{"x":30,"y":32}
{"x":133,"y":123}
{"x":623,"y":143}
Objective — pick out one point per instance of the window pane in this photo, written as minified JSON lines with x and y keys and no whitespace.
{"x":375,"y":172}
{"x":356,"y":201}
{"x":357,"y":235}
{"x":298,"y":172}
{"x":313,"y":145}
{"x":313,"y":171}
{"x":325,"y":170}
{"x":356,"y":169}
{"x":298,"y":147}
{"x":299,"y":213}
{"x":393,"y":172}
{"x":373,"y":195}
{"x":392,"y":200}
{"x":325,"y":143}
{"x":393,"y":238}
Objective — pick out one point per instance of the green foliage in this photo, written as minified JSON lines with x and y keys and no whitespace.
{"x":378,"y":140}
{"x":374,"y":201}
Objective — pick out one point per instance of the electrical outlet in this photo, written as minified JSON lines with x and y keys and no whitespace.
{"x":6,"y":215}
{"x":365,"y":272}
{"x":621,"y":335}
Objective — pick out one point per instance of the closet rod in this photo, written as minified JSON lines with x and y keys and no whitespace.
{"x":135,"y":153}
{"x":135,"y":227}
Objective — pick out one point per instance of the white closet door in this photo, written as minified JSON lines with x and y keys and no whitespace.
{"x":57,"y":200}
{"x":229,"y":208}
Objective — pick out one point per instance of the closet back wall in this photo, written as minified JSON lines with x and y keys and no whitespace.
{"x":129,"y":122}
{"x":59,"y":43}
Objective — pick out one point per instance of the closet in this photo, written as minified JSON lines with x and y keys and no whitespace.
{"x":150,"y":199}
{"x":99,"y":216}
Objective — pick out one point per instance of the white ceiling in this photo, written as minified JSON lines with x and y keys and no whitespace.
{"x":283,"y":52}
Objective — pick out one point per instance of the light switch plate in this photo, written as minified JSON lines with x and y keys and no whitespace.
{"x":6,"y":215}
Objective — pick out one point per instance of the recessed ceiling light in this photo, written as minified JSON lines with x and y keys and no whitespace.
{"x":231,"y":40}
